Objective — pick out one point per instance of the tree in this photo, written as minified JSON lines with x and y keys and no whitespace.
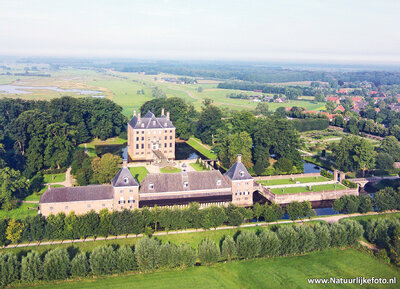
{"x":31,"y":267}
{"x":56,"y":265}
{"x":210,"y":120}
{"x":338,"y":235}
{"x":269,"y":244}
{"x":273,"y":212}
{"x":11,"y":184}
{"x":288,"y":239}
{"x":234,"y":144}
{"x":80,"y":265}
{"x":364,"y":156}
{"x":103,"y":260}
{"x":208,"y":252}
{"x":3,"y":229}
{"x":387,"y":199}
{"x":322,"y":236}
{"x":248,"y":245}
{"x":354,"y":231}
{"x":105,"y":168}
{"x":187,"y":255}
{"x":9,"y":268}
{"x":228,"y":248}
{"x":306,"y":238}
{"x":390,"y":145}
{"x":14,"y":231}
{"x":384,"y":161}
{"x":297,"y":210}
{"x":200,"y":89}
{"x":125,"y":259}
{"x":330,"y":106}
{"x":258,"y":210}
{"x":365,"y":204}
{"x":262,"y":108}
{"x":169,"y":256}
{"x":147,"y":253}
{"x":213,"y":217}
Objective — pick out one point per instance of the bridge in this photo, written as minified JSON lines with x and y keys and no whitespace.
{"x":363,"y":181}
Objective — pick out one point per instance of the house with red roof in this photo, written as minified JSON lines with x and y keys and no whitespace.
{"x":334,"y":99}
{"x":356,"y":98}
{"x":340,"y":108}
{"x":342,"y":90}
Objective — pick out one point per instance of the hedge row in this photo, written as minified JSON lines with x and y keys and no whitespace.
{"x":151,"y":254}
{"x":326,"y":174}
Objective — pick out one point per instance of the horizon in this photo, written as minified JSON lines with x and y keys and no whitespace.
{"x":314,"y":31}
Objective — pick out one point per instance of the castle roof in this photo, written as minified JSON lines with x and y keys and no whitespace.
{"x":124,"y":178}
{"x":76,"y":194}
{"x":190,"y":181}
{"x":238,"y":172}
{"x":149,"y":121}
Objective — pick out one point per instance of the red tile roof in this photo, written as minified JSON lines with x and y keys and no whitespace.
{"x":340,"y":108}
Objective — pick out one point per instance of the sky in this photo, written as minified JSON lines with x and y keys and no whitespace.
{"x":356,"y":31}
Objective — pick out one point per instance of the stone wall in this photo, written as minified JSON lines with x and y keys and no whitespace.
{"x":279,"y":177}
{"x":80,"y":207}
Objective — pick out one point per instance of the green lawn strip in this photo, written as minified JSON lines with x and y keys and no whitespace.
{"x":201,"y":149}
{"x":20,"y":212}
{"x":110,"y":141}
{"x":197,"y":167}
{"x":280,"y":272}
{"x":167,"y":170}
{"x":289,"y":181}
{"x":54,"y":178}
{"x":139,"y":172}
{"x":319,"y":188}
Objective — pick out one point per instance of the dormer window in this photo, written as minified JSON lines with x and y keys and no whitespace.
{"x":126,"y":180}
{"x":165,"y":124}
{"x":241,"y":173}
{"x":142,"y":125}
{"x":154,"y":122}
{"x":151,"y":186}
{"x":185,"y":184}
{"x":218,"y":182}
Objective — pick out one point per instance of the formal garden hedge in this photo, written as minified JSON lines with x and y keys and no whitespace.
{"x":150,"y":254}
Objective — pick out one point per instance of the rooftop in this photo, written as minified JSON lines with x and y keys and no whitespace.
{"x":76,"y":194}
{"x":124,"y":178}
{"x":149,"y":121}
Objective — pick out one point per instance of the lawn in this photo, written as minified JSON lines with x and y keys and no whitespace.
{"x":166,"y":170}
{"x":296,"y":190}
{"x":139,"y":172}
{"x":54,"y":178}
{"x":21,"y":212}
{"x":197,"y":167}
{"x":282,"y":272}
{"x":196,"y":144}
{"x":289,"y":181}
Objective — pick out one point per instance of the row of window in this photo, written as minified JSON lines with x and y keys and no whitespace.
{"x":122,"y":191}
{"x":154,"y":132}
{"x":240,"y":193}
{"x":88,"y":205}
{"x":148,"y":139}
{"x":142,"y":153}
{"x":185,"y":184}
{"x":148,"y":145}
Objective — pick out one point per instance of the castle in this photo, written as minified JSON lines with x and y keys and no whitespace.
{"x":151,"y":139}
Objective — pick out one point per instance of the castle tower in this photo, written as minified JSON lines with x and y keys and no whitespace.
{"x":126,"y":190}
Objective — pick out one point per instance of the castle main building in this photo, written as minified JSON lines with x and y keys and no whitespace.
{"x":151,"y":138}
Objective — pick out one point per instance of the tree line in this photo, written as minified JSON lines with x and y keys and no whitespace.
{"x":150,"y":254}
{"x":145,"y":220}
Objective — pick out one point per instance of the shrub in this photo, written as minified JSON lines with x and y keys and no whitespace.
{"x":273,"y":212}
{"x":306,"y":238}
{"x":349,"y":184}
{"x":387,"y":199}
{"x":365,"y":204}
{"x":228,"y":248}
{"x":288,"y":238}
{"x":80,"y":265}
{"x":382,"y":255}
{"x":269,"y":244}
{"x":235,"y":218}
{"x":297,"y":210}
{"x":103,"y":260}
{"x":326,"y":174}
{"x":354,"y":231}
{"x":125,"y":259}
{"x":248,"y":245}
{"x":56,"y":265}
{"x":208,"y":252}
{"x":322,"y":236}
{"x":31,"y":267}
{"x":187,"y":255}
{"x":169,"y":256}
{"x":9,"y":268}
{"x":147,"y":253}
{"x":338,"y":235}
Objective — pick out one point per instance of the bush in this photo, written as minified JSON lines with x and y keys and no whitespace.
{"x":297,"y":210}
{"x":382,"y":255}
{"x":31,"y":267}
{"x":338,"y":235}
{"x":306,"y":238}
{"x":387,"y":199}
{"x":169,"y":256}
{"x":56,"y":265}
{"x":288,"y":239}
{"x":354,"y":231}
{"x":125,"y":259}
{"x":9,"y":268}
{"x":270,"y":244}
{"x":208,"y":252}
{"x":187,"y":255}
{"x":365,"y":204}
{"x":103,"y":260}
{"x":80,"y":265}
{"x":273,"y":212}
{"x":349,"y":184}
{"x":147,"y":253}
{"x":228,"y":248}
{"x":326,"y":174}
{"x":248,"y":245}
{"x":322,"y":236}
{"x":235,"y":218}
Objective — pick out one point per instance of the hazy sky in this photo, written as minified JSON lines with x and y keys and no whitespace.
{"x":332,"y":30}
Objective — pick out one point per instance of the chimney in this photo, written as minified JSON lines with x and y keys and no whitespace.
{"x":138,"y":117}
{"x":134,"y":112}
{"x":162,"y":112}
{"x":168,"y":115}
{"x":239,"y":158}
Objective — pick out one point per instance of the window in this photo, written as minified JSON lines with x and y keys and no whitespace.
{"x":151,"y":186}
{"x":131,"y":191}
{"x":66,"y":207}
{"x":185,"y":184}
{"x":218,"y":182}
{"x":166,"y":131}
{"x":89,"y":206}
{"x":126,"y":180}
{"x":170,"y":131}
{"x":137,"y":146}
{"x":142,"y":146}
{"x":148,"y":146}
{"x":165,"y":137}
{"x":142,"y":126}
{"x":143,"y":131}
{"x":137,"y":139}
{"x":154,"y":122}
{"x":142,"y":137}
{"x":121,"y":191}
{"x":170,"y":144}
{"x":137,"y":132}
{"x":165,"y":144}
{"x":165,"y":124}
{"x":51,"y":208}
{"x":170,"y":137}
{"x":121,"y":200}
{"x":241,"y":173}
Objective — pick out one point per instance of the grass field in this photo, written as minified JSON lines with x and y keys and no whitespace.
{"x":139,"y":172}
{"x":283,"y":272}
{"x":289,"y":181}
{"x":296,"y":190}
{"x":54,"y":178}
{"x":197,"y":167}
{"x":166,"y":170}
{"x":24,"y":210}
{"x":36,"y":196}
{"x":196,"y":144}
